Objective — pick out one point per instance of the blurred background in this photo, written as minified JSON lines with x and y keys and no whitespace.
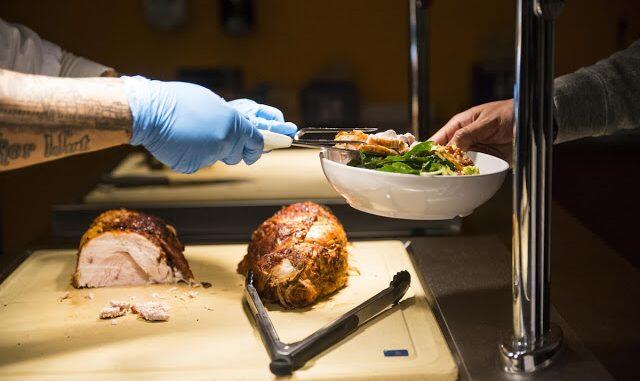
{"x":327,"y":62}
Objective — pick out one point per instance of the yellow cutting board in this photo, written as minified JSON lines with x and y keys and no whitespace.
{"x":279,"y":175}
{"x":211,"y":336}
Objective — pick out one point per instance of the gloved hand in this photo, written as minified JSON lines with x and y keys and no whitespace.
{"x":188,"y":127}
{"x":264,"y":117}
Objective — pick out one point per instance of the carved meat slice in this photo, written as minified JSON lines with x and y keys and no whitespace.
{"x":383,"y":143}
{"x":124,"y":248}
{"x":298,"y":256}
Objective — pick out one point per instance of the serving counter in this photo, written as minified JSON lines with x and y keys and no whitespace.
{"x":466,"y":276}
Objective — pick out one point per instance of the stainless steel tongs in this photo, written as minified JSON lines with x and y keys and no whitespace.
{"x":273,"y":140}
{"x":287,"y":357}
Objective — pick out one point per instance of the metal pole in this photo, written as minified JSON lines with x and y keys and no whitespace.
{"x":418,"y":68}
{"x":535,"y":340}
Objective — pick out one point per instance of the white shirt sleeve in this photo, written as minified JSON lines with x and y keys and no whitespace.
{"x":22,"y":50}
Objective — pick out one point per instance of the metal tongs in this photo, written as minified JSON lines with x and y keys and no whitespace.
{"x":274,"y":140}
{"x":287,"y":357}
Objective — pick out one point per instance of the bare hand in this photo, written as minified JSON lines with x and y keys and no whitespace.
{"x":486,"y":128}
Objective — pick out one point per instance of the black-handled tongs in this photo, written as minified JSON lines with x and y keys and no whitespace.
{"x":287,"y":357}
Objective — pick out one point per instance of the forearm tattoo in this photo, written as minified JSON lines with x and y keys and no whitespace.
{"x":31,"y":101}
{"x":13,"y":151}
{"x":64,"y":143}
{"x":60,"y":116}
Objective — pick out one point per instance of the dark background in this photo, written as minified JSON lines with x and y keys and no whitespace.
{"x":360,"y":47}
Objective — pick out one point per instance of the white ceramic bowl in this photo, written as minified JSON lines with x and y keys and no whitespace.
{"x":415,"y":197}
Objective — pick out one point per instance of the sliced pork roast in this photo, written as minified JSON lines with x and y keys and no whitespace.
{"x":383,"y":143}
{"x":298,"y":256}
{"x":125,"y":248}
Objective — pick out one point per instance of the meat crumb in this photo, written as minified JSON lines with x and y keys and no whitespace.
{"x":194,"y":284}
{"x":112,"y":312}
{"x":114,"y":322}
{"x":120,"y":304}
{"x":172,"y":289}
{"x":155,"y":295}
{"x":89,"y":296}
{"x":152,"y":311}
{"x":208,"y":308}
{"x":192,"y":294}
{"x":64,"y":296}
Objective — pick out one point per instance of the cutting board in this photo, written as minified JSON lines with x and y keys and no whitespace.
{"x":210,"y":336}
{"x":286,"y":174}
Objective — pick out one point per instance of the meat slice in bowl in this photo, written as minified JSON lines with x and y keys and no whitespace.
{"x":127,"y":248}
{"x":382,"y":143}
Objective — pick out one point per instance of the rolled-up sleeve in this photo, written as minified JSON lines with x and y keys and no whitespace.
{"x":600,"y":99}
{"x":22,"y":50}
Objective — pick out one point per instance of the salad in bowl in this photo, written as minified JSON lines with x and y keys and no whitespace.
{"x":393,"y":175}
{"x":390,"y":152}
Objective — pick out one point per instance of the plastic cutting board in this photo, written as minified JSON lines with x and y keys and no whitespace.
{"x":210,"y":336}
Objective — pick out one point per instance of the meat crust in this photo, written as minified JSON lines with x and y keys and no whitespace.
{"x":298,"y":255}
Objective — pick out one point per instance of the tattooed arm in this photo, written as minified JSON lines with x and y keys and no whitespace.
{"x":183,"y":125}
{"x":45,"y":118}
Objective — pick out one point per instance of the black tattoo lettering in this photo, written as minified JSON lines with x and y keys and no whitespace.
{"x":63,"y":143}
{"x":10,"y":152}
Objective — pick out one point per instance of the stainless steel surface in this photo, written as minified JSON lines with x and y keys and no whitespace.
{"x":533,"y":343}
{"x":518,"y":356}
{"x":418,"y":68}
{"x":468,"y":282}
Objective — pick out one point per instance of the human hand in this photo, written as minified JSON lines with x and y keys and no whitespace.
{"x":264,"y":117}
{"x":188,"y":127}
{"x":486,"y":128}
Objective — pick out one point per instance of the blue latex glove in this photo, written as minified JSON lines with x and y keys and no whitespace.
{"x":264,"y":117}
{"x":188,"y":127}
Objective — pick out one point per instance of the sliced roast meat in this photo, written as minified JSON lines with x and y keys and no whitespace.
{"x":382,"y":143}
{"x":125,"y":248}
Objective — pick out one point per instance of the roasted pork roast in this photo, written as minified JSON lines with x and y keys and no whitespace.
{"x":298,"y":256}
{"x":124,"y":248}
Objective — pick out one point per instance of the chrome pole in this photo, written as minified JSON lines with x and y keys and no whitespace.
{"x":535,"y":340}
{"x":418,"y":68}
